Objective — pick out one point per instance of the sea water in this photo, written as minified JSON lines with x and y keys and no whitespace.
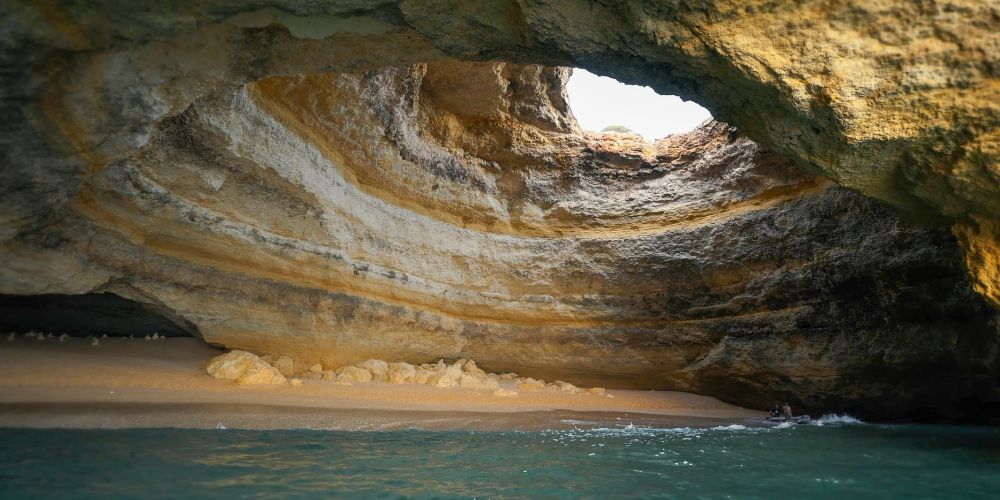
{"x":816,"y":461}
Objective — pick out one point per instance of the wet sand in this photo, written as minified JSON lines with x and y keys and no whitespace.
{"x":162,"y":383}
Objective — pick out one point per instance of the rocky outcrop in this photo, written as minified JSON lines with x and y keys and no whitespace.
{"x":245,"y":368}
{"x":333,"y":185}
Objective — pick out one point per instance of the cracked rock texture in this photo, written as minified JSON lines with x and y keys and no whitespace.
{"x":332,"y":183}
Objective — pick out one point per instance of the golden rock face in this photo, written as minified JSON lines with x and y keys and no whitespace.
{"x":336,"y":186}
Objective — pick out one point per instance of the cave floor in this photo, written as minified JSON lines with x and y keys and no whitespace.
{"x":162,"y":383}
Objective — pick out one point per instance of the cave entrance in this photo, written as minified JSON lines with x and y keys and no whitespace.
{"x":89,"y":314}
{"x":600,"y":103}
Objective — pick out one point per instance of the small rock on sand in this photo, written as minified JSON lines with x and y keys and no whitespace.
{"x":317,"y":368}
{"x":296,"y":382}
{"x":504,"y":393}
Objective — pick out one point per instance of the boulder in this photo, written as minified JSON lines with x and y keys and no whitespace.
{"x":231,"y":365}
{"x":285,"y":365}
{"x":471,"y":368}
{"x":467,"y":381}
{"x":261,"y":373}
{"x":354,"y":374}
{"x":401,"y":373}
{"x":377,"y":368}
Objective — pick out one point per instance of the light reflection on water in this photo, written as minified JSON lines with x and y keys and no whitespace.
{"x":818,"y":462}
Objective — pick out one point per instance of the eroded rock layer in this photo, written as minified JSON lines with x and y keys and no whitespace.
{"x":455,"y":210}
{"x":896,"y":99}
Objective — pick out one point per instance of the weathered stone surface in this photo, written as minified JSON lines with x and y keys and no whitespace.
{"x":231,"y":365}
{"x":378,"y":368}
{"x":265,"y":178}
{"x":402,"y":373}
{"x":243,"y":367}
{"x":261,"y":373}
{"x":353,"y":374}
{"x":285,"y":365}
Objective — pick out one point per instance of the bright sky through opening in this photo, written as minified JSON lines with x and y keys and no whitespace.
{"x":599,"y":101}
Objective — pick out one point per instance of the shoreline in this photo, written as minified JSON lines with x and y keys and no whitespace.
{"x":112,"y":416}
{"x":129,"y":383}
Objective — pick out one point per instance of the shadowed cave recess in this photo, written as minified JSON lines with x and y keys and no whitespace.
{"x":409,"y":183}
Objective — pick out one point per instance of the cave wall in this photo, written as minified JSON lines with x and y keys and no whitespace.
{"x":286,"y":177}
{"x":895,"y":99}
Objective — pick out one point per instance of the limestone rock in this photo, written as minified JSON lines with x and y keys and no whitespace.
{"x":284,"y":365}
{"x":530,"y":386}
{"x":245,"y":368}
{"x":261,"y":373}
{"x":402,"y":373}
{"x":354,"y":374}
{"x":470,"y":368}
{"x":504,"y":393}
{"x":377,"y":368}
{"x":231,"y":365}
{"x":445,"y":376}
{"x":342,"y":198}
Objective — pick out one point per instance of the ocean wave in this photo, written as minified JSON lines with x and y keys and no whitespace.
{"x":835,"y":419}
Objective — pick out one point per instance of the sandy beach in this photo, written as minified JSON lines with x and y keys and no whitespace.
{"x":162,"y":383}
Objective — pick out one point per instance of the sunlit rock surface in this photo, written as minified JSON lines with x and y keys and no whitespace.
{"x":331,"y":184}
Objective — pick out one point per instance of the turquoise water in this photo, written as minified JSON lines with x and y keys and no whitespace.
{"x":856,"y":461}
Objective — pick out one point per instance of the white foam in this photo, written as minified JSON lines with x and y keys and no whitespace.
{"x":732,"y":427}
{"x":834,"y":419}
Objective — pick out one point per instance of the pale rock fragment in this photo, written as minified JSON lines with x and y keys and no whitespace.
{"x":471,"y":368}
{"x":95,"y":342}
{"x":284,"y":364}
{"x":354,"y":374}
{"x":446,"y":376}
{"x":504,"y":393}
{"x":402,"y":373}
{"x":422,"y":375}
{"x":467,"y":381}
{"x":596,"y":390}
{"x":267,"y":358}
{"x":231,"y":365}
{"x":316,"y":368}
{"x":295,"y":382}
{"x":261,"y":373}
{"x":566,"y":387}
{"x":530,"y":386}
{"x":377,"y":368}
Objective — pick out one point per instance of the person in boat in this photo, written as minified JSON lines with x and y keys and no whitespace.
{"x":775,"y":411}
{"x":786,"y":411}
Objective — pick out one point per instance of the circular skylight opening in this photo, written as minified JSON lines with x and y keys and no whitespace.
{"x":599,"y":102}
